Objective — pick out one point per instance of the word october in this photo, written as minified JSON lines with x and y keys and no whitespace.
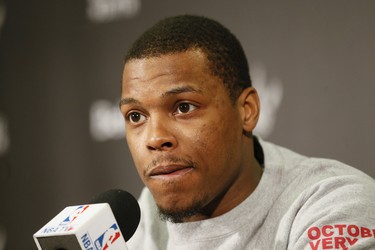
{"x":339,"y":236}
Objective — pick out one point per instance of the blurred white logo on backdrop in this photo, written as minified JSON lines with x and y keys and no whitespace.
{"x":3,"y":237}
{"x":4,"y":135}
{"x":2,"y":14}
{"x":109,"y":10}
{"x":270,"y":91}
{"x":106,"y":121}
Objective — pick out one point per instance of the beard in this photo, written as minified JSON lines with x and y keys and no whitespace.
{"x":180,"y":215}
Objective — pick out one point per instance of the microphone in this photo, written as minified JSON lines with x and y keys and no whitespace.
{"x":107,"y":222}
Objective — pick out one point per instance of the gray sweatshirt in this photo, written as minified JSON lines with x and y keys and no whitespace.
{"x":300,"y":203}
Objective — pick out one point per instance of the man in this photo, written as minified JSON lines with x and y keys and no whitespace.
{"x":190,"y":111}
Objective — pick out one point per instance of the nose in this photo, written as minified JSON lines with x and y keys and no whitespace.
{"x":160,"y":136}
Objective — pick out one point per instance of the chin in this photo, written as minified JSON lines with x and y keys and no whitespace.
{"x":182,"y":211}
{"x":179,"y":215}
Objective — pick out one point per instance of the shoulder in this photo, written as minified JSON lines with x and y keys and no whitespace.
{"x":308,"y":170}
{"x":332,"y":206}
{"x":336,"y":212}
{"x":328,"y":204}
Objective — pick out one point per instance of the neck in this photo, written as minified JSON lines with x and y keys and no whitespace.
{"x":246,"y":182}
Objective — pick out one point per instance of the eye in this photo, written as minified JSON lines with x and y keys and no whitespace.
{"x":185,"y":107}
{"x":136,"y":117}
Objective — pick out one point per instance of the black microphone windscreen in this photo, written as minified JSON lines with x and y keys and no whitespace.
{"x":124,"y":207}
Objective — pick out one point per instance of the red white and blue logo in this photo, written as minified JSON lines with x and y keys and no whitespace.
{"x":108,"y":238}
{"x":74,"y":215}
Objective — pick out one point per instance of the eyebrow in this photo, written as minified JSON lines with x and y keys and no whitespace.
{"x":174,"y":91}
{"x":125,"y":101}
{"x":179,"y":90}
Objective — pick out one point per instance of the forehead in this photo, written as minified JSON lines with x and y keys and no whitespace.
{"x":178,"y":68}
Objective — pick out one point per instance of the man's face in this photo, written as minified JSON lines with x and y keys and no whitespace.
{"x":184,"y":133}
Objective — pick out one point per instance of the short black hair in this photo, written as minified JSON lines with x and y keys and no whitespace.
{"x":186,"y":32}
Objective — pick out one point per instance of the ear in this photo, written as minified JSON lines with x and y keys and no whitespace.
{"x":249,"y":106}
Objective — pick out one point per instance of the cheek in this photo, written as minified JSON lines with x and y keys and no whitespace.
{"x":219,"y":144}
{"x":135,"y":147}
{"x":215,"y":143}
{"x":134,"y":139}
{"x":201,"y":138}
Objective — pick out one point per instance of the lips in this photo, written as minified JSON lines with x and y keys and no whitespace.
{"x":169,"y":170}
